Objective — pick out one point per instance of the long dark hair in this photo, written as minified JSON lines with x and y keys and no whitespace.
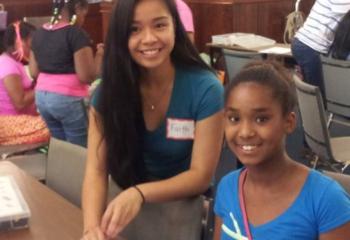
{"x":341,"y":43}
{"x":120,"y":104}
{"x":59,"y":5}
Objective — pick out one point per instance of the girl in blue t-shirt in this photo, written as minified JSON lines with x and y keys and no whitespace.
{"x":156,"y":119}
{"x":273,"y":196}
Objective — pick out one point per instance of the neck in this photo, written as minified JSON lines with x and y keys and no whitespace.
{"x":158,"y":77}
{"x":271,"y":173}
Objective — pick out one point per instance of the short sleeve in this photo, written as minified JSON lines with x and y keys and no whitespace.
{"x":219,"y":204}
{"x":9,"y":69}
{"x":78,"y":39}
{"x":209,"y":97}
{"x":333,"y":208}
{"x":95,"y":97}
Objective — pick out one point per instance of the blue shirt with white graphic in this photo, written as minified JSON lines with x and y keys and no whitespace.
{"x":321,"y":206}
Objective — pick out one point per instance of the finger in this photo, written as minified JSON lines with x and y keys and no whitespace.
{"x":114,"y":224}
{"x":106,"y":218}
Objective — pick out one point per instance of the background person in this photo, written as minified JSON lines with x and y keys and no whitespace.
{"x":62,"y":60}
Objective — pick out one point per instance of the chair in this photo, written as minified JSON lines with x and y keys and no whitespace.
{"x":65,"y":169}
{"x":37,"y":21}
{"x":330,"y":150}
{"x":27,"y":157}
{"x":337,"y":84}
{"x":181,"y":219}
{"x":235,"y":60}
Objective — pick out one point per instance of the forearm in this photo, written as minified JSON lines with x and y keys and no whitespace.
{"x":186,"y":184}
{"x":94,"y":200}
{"x":25,"y":100}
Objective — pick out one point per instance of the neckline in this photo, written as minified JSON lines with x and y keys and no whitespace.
{"x":276,"y":220}
{"x":53,"y":27}
{"x":163,"y":121}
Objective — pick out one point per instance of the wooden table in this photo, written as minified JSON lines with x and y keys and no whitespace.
{"x":52,"y":217}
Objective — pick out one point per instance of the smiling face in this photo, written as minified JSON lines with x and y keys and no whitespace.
{"x":152,"y":35}
{"x":255,"y":127}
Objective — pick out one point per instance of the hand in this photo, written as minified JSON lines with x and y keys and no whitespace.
{"x":94,"y":234}
{"x":121,"y":210}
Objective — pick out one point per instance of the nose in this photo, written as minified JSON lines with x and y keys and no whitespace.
{"x":148,"y":36}
{"x":246,"y":130}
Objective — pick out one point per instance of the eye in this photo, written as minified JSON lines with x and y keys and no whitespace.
{"x":262,"y":119}
{"x":134,"y":29}
{"x":232,"y":119}
{"x":161,"y":25}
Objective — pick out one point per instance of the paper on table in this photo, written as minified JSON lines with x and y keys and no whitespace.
{"x":9,"y":201}
{"x":276,"y":50}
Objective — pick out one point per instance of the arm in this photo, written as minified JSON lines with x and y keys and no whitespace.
{"x":99,"y":58}
{"x":19,"y":97}
{"x":217,"y":228}
{"x":33,"y":66}
{"x":84,"y":65}
{"x":342,"y":232}
{"x":205,"y":155}
{"x":95,"y":183}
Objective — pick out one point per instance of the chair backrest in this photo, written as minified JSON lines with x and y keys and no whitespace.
{"x":342,"y":179}
{"x":181,"y":219}
{"x":37,"y":21}
{"x":235,"y":60}
{"x":336,"y":76}
{"x":313,"y":118}
{"x":65,"y":169}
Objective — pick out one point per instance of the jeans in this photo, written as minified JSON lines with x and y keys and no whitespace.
{"x":65,"y":116}
{"x":310,"y":63}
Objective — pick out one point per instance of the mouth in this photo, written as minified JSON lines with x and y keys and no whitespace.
{"x":150,"y":52}
{"x":248,"y":148}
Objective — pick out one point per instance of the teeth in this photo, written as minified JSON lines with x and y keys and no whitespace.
{"x":248,"y":147}
{"x":150,"y":52}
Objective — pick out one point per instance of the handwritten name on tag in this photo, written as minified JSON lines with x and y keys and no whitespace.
{"x":180,"y":129}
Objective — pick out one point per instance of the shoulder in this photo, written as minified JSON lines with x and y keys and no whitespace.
{"x":229,"y":180}
{"x":197,"y":76}
{"x":9,"y":65}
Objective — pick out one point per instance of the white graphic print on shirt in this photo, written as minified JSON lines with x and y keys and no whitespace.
{"x":236,"y":233}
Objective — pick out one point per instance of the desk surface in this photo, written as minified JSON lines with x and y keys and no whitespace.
{"x":52,"y":217}
{"x":259,"y":49}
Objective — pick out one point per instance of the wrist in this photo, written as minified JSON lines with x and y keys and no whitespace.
{"x":143,"y":199}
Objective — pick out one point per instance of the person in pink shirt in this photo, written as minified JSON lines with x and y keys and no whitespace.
{"x":186,"y":18}
{"x":19,"y":120}
{"x":16,"y":88}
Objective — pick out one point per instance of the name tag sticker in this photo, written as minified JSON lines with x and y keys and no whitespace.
{"x":180,"y":129}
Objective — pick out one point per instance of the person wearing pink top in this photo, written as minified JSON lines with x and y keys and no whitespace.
{"x":16,"y":88}
{"x":63,"y":62}
{"x":186,"y":18}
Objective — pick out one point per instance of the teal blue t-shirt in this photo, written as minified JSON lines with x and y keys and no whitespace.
{"x":197,"y":94}
{"x":321,"y":206}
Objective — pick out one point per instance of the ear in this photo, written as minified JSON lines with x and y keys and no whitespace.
{"x":290,"y":122}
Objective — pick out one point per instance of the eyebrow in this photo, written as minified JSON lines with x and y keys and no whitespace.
{"x":258,"y":110}
{"x":155,"y":19}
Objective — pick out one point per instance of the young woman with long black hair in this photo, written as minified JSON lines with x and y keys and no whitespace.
{"x":156,"y":121}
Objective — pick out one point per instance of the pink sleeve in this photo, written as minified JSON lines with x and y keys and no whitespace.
{"x":8,"y":68}
{"x":185,"y":15}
